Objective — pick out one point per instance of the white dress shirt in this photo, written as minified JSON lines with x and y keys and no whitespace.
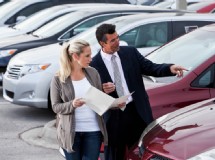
{"x":107,"y":60}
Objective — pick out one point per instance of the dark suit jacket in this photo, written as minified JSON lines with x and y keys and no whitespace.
{"x":134,"y":66}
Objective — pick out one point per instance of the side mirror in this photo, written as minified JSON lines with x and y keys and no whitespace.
{"x":20,"y":18}
{"x":123,"y":43}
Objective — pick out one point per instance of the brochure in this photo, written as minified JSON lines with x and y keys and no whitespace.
{"x":100,"y":102}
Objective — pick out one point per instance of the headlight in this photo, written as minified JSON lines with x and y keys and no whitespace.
{"x":209,"y":155}
{"x":32,"y":68}
{"x":8,"y":52}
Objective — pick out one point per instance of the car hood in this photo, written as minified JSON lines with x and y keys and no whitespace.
{"x":9,"y":32}
{"x":17,"y":39}
{"x":184,"y":133}
{"x":44,"y":54}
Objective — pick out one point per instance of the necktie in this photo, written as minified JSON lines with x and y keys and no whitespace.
{"x":117,"y":77}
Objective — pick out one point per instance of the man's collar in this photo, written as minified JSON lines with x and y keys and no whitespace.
{"x":108,"y":56}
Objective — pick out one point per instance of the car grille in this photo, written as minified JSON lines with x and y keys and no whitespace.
{"x":157,"y":157}
{"x":153,"y":156}
{"x":14,"y":71}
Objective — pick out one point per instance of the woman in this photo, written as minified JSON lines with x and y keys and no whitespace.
{"x":80,"y":130}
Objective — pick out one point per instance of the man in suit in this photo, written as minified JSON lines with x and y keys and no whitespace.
{"x":125,"y":127}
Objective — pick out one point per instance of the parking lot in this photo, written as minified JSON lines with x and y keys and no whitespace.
{"x":15,"y":120}
{"x":164,"y":31}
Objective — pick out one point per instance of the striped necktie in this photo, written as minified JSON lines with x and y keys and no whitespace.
{"x":117,"y":77}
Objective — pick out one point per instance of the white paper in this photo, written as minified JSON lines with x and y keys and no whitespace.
{"x":100,"y":102}
{"x":121,"y":100}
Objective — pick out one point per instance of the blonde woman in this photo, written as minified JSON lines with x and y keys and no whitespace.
{"x":80,"y":130}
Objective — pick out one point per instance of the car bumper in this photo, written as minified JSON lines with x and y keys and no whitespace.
{"x":30,"y":90}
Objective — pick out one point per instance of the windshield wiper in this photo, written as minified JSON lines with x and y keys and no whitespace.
{"x":12,"y":26}
{"x":35,"y":35}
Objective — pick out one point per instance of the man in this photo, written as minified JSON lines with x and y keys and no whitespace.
{"x":126,"y":65}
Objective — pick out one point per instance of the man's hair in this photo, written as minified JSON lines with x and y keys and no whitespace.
{"x":104,"y":29}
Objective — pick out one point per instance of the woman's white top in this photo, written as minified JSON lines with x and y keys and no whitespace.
{"x":85,"y":118}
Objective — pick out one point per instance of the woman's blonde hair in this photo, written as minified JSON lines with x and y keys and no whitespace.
{"x":73,"y":46}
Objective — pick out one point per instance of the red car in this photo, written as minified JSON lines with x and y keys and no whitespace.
{"x":196,"y":52}
{"x":203,"y":7}
{"x":189,"y":131}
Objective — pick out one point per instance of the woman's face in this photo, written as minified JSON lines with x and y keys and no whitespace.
{"x":84,"y":58}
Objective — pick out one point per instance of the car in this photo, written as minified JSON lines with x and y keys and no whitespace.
{"x":148,"y":32}
{"x":43,"y":17}
{"x":3,"y":2}
{"x":187,"y":133}
{"x":194,"y":51}
{"x":203,"y":7}
{"x":171,"y":4}
{"x":28,"y":76}
{"x":14,"y":11}
{"x":65,"y":27}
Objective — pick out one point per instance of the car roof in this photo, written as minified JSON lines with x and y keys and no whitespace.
{"x":67,"y":8}
{"x":164,"y":14}
{"x":100,"y":9}
{"x":87,"y":13}
{"x":139,"y":18}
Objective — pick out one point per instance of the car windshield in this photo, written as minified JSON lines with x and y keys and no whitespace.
{"x":8,"y":7}
{"x":89,"y":35}
{"x":59,"y":24}
{"x":38,"y":18}
{"x":188,"y":51}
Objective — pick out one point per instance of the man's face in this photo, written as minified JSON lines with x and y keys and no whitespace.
{"x":112,"y":43}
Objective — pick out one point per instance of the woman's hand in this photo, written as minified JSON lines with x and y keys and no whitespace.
{"x":78,"y":102}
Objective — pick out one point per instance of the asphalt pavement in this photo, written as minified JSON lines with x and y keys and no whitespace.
{"x":27,"y":133}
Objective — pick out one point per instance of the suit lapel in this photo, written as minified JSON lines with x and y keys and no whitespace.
{"x":103,"y":70}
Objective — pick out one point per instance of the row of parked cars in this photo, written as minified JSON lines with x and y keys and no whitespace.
{"x":25,"y":72}
{"x":28,"y":74}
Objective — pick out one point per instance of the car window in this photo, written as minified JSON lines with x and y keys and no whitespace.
{"x":148,"y":35}
{"x":206,"y":79}
{"x":198,"y":44}
{"x":87,"y":24}
{"x":180,"y":27}
{"x":27,"y":11}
